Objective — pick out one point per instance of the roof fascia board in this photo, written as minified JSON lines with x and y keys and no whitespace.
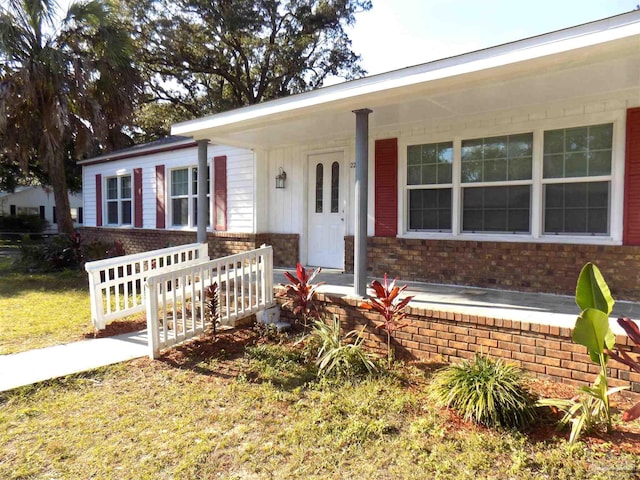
{"x":110,"y":157}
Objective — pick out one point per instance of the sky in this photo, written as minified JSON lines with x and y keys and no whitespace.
{"x":401,"y":33}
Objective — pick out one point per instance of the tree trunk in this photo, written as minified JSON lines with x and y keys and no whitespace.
{"x":61,"y":195}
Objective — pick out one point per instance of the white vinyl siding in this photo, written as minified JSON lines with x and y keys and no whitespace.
{"x":240,"y":184}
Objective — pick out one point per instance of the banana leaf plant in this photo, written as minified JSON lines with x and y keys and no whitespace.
{"x":633,"y":332}
{"x":387,"y":302}
{"x":591,"y":330}
{"x":301,"y":293}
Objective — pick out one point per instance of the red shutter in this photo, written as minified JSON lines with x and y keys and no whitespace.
{"x":137,"y":197}
{"x":220,"y":191}
{"x":386,"y":187}
{"x":160,"y":197}
{"x":98,"y":201}
{"x":631,"y":229}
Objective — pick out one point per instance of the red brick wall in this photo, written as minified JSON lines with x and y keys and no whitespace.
{"x":542,"y":350}
{"x":285,"y":246}
{"x":532,"y":267}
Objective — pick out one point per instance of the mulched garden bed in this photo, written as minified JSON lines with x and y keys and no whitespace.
{"x":228,"y":347}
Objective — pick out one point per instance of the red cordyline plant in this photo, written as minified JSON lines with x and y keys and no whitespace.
{"x":212,"y":305}
{"x":390,"y":306}
{"x":301,"y":293}
{"x":633,"y":332}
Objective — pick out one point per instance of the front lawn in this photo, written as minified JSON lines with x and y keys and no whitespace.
{"x":216,"y":410}
{"x":43,"y":309}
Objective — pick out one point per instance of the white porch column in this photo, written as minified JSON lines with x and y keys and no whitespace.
{"x":361,"y":194}
{"x":202,"y":191}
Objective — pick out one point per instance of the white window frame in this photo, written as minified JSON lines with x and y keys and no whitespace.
{"x":577,"y":179}
{"x":192,"y":221}
{"x":616,"y":179}
{"x":430,"y":186}
{"x":119,"y":200}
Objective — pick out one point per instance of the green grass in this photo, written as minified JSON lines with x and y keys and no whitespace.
{"x":163,"y":420}
{"x":41,"y":309}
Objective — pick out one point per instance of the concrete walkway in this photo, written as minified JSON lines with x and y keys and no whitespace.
{"x":34,"y":366}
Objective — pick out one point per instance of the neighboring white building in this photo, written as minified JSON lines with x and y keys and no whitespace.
{"x":36,"y":200}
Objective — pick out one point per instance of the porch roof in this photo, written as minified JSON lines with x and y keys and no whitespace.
{"x":581,"y":62}
{"x":534,"y":308}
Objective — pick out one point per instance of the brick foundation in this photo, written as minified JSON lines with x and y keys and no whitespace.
{"x":542,"y":350}
{"x":530,"y":267}
{"x":285,"y":246}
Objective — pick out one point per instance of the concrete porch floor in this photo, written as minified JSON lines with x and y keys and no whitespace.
{"x":540,"y":308}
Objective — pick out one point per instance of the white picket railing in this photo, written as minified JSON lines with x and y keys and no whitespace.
{"x":116,"y":285}
{"x":176,"y":309}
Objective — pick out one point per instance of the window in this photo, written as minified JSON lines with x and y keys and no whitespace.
{"x":491,"y":185}
{"x":28,"y":211}
{"x":429,"y":186}
{"x":577,"y":180}
{"x":184,"y":197}
{"x":500,"y":170}
{"x":119,"y":200}
{"x":335,"y":186}
{"x":319,"y":184}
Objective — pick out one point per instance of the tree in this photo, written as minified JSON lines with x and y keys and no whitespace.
{"x":66,"y":88}
{"x":207,"y":56}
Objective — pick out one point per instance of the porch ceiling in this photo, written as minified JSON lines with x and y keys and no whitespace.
{"x":503,"y":78}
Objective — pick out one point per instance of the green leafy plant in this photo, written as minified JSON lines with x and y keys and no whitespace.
{"x":488,"y":392}
{"x":591,"y":330}
{"x":338,"y":355}
{"x":633,"y":332}
{"x":301,"y":293}
{"x":390,"y":306}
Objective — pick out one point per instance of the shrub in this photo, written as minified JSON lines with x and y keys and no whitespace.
{"x":591,"y":330}
{"x":300,"y":293}
{"x":338,"y":356}
{"x":55,"y":253}
{"x":633,"y":332}
{"x":390,"y":306}
{"x":23,"y":223}
{"x":488,"y":392}
{"x":212,"y":306}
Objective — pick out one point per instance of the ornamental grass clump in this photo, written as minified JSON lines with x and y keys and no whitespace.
{"x":485,"y":391}
{"x":341,"y":356}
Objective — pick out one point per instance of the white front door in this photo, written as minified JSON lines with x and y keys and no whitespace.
{"x":326,"y":210}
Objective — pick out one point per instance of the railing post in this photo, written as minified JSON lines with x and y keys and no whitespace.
{"x":152,"y":317}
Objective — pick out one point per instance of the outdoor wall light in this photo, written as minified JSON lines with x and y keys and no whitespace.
{"x":280,"y":178}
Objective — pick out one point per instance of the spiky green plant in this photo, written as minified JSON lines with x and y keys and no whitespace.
{"x":337,"y":355}
{"x":488,"y":392}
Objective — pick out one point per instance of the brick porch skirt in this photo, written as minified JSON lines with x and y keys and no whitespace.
{"x":542,"y":350}
{"x":521,"y":266}
{"x":221,"y":244}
